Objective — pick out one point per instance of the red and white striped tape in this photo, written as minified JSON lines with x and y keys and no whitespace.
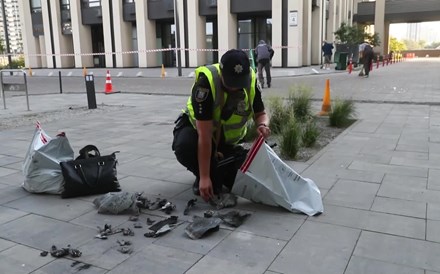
{"x":140,"y":51}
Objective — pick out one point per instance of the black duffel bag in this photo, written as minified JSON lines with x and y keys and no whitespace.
{"x":90,"y":173}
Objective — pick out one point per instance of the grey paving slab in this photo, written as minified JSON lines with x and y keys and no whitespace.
{"x":432,"y":228}
{"x":9,"y":214}
{"x":6,"y":160}
{"x":68,"y":266}
{"x":433,"y":211}
{"x":373,"y":221}
{"x":391,"y":169}
{"x":50,"y":232}
{"x":158,"y":259}
{"x":4,"y":244}
{"x":179,"y":240}
{"x":152,"y":186}
{"x":317,"y":248}
{"x":4,"y":171}
{"x":398,"y":250}
{"x":273,"y":223}
{"x":93,"y":219}
{"x":408,"y":188}
{"x":352,"y":194}
{"x":433,"y":182}
{"x":22,"y":259}
{"x":52,"y":206}
{"x":359,"y":265}
{"x":11,"y":193}
{"x":400,"y":207}
{"x":242,"y":253}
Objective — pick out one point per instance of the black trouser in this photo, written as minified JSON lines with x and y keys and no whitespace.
{"x":264,"y":63}
{"x":222,"y":171}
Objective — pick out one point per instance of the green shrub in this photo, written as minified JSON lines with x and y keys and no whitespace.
{"x":290,"y":139}
{"x":279,"y":114}
{"x":310,"y":133}
{"x":300,"y":102}
{"x":342,"y":114}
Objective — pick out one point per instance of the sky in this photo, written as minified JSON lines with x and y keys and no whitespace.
{"x":429,"y":31}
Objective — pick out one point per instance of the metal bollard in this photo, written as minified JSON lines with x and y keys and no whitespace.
{"x":90,"y":87}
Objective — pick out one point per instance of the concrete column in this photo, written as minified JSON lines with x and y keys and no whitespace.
{"x":386,"y":40}
{"x":105,"y":6}
{"x":42,"y":43}
{"x":31,"y":44}
{"x":331,"y":23}
{"x":122,"y":36}
{"x":46,"y":37}
{"x":146,"y":36}
{"x":277,"y":29}
{"x":82,"y":37}
{"x":379,"y":23}
{"x":317,"y":34}
{"x":196,"y":34}
{"x":227,"y":27}
{"x":295,"y":33}
{"x":180,"y":9}
{"x":307,"y":33}
{"x":62,"y":43}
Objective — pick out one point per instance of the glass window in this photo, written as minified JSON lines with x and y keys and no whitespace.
{"x":35,"y":6}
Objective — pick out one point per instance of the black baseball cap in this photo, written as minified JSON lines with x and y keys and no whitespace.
{"x":235,"y":68}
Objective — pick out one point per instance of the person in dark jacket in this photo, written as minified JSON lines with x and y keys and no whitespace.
{"x":263,"y":55}
{"x":327,"y":50}
{"x":368,"y":56}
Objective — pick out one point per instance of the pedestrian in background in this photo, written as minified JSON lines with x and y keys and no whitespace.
{"x":327,"y":49}
{"x":263,"y":55}
{"x":361,"y":57}
{"x":368,"y":56}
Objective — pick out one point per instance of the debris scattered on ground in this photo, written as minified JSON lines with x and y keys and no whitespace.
{"x":233,"y":218}
{"x":191,"y":203}
{"x":59,"y":253}
{"x":168,"y":207}
{"x":133,"y":218}
{"x":125,"y":250}
{"x":224,"y":200}
{"x":123,"y":242}
{"x":158,"y":225}
{"x":201,"y":226}
{"x":117,"y":203}
{"x":44,"y":253}
{"x":150,"y":221}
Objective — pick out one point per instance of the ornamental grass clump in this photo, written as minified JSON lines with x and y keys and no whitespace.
{"x":290,"y":138}
{"x":343,"y":113}
{"x":310,"y":133}
{"x":300,"y":102}
{"x":279,"y":114}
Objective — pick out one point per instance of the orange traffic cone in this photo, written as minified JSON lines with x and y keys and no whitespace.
{"x":326,"y":105}
{"x":108,"y":84}
{"x":84,"y":71}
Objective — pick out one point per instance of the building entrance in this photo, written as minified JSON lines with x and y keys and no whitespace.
{"x":98,"y":45}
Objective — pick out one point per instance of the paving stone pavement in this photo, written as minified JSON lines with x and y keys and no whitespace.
{"x":378,"y":179}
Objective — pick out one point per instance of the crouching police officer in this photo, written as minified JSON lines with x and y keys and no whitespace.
{"x":224,"y":98}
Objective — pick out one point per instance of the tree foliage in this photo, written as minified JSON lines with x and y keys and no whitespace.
{"x":396,"y":45}
{"x":355,"y":35}
{"x":2,"y":46}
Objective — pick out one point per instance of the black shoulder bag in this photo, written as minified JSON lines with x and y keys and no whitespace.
{"x":90,"y":173}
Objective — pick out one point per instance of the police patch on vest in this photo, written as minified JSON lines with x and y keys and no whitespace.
{"x":241,"y":108}
{"x":201,"y":94}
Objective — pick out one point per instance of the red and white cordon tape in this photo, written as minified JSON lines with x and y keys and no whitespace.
{"x":142,"y":51}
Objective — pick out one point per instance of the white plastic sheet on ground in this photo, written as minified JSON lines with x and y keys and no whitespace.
{"x":265,"y":178}
{"x":41,"y":167}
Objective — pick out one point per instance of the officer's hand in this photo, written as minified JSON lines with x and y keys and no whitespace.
{"x":264,"y":131}
{"x":206,"y":190}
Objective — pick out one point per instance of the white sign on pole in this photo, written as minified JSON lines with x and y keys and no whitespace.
{"x":293,"y":18}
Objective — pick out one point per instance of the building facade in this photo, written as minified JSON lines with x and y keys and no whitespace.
{"x":147,"y":33}
{"x":13,"y":25}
